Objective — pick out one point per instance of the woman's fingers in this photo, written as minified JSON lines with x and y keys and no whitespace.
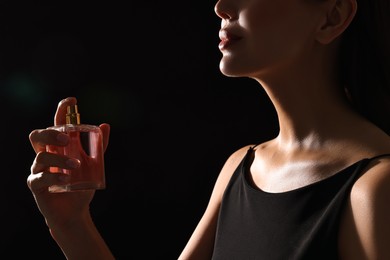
{"x":42,"y":180}
{"x":41,"y":177}
{"x":105,"y":128}
{"x":39,"y":138}
{"x":43,"y":161}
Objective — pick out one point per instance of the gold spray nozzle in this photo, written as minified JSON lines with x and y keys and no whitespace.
{"x":72,"y":115}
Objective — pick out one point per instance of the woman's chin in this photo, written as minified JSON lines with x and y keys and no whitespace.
{"x":226,"y":67}
{"x":230,"y":70}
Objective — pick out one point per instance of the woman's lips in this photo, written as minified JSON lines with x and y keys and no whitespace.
{"x":227,"y":39}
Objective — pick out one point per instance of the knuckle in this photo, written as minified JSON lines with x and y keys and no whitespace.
{"x":39,"y":163}
{"x":33,"y":168}
{"x":29,"y":181}
{"x":33,"y":134}
{"x":39,"y":158}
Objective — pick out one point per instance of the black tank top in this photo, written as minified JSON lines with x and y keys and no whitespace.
{"x":297,"y":224}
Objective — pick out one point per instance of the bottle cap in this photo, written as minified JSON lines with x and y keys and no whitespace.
{"x":72,"y":115}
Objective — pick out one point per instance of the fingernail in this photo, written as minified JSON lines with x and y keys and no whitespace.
{"x":73,"y":163}
{"x":62,"y":138}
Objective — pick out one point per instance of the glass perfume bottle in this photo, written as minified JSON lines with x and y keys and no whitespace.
{"x":86,"y":145}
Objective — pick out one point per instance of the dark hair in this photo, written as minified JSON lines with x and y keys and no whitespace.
{"x":365,"y":61}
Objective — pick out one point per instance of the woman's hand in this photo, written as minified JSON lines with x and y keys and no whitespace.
{"x":59,"y":209}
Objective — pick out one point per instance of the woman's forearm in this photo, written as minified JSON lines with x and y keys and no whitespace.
{"x":81,"y":240}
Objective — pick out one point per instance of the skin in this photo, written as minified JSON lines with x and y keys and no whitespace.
{"x":290,"y":48}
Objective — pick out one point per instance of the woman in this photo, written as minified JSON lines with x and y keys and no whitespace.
{"x":319,"y":189}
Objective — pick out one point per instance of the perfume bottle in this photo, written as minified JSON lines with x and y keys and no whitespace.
{"x":86,"y":145}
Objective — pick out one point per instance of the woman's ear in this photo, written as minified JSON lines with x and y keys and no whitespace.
{"x":338,"y":17}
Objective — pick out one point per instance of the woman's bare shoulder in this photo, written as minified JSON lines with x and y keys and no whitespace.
{"x":238,"y":155}
{"x":375,"y":178}
{"x":369,"y":213}
{"x":228,"y":169}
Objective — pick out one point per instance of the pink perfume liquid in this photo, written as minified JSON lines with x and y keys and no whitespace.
{"x":86,"y":145}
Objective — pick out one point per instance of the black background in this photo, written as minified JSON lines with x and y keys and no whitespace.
{"x":150,"y":70}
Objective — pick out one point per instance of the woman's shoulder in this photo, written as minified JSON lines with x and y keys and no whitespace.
{"x":235,"y":158}
{"x":377,"y":171}
{"x":375,"y":175}
{"x":239,"y":154}
{"x":230,"y":166}
{"x":366,"y":221}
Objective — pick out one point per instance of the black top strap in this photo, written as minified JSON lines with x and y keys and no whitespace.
{"x":253,"y":147}
{"x":379,"y":156}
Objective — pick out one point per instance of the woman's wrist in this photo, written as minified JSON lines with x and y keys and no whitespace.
{"x":79,"y":239}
